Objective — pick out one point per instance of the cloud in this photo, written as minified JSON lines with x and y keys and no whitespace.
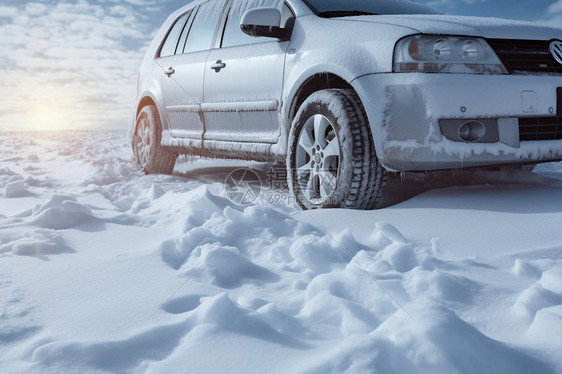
{"x":555,"y":8}
{"x":35,"y":9}
{"x":553,"y":16}
{"x":7,"y":12}
{"x":72,"y":63}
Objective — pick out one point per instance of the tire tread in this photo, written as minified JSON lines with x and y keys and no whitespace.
{"x":368,"y":178}
{"x":163,"y":159}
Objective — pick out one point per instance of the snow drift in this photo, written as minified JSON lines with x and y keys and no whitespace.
{"x":107,"y":270}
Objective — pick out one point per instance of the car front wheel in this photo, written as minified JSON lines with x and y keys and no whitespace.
{"x":331,"y":158}
{"x":151,"y":156}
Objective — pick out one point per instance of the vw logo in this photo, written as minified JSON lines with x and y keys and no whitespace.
{"x":556,"y":50}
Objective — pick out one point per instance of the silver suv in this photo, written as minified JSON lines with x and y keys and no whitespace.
{"x":347,"y":92}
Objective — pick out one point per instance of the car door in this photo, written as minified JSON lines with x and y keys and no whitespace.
{"x":184,"y":71}
{"x":243,"y":83}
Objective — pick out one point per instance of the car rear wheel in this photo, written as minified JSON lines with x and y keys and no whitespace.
{"x":331,"y":158}
{"x":151,"y":156}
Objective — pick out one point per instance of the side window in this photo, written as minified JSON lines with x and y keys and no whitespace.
{"x":233,"y":35}
{"x":171,"y":43}
{"x":185,"y":33}
{"x":203,"y":29}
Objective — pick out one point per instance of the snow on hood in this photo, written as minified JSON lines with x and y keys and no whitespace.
{"x":469,"y":26}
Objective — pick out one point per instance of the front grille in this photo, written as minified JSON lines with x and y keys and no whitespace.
{"x":526,"y":56}
{"x":543,"y":128}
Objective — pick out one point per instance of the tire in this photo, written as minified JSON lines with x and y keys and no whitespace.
{"x":331,"y":160}
{"x":151,"y":156}
{"x":527,"y":167}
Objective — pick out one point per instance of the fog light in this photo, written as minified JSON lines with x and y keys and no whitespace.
{"x":472,"y":131}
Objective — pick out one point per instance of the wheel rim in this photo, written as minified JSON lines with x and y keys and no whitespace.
{"x":317,"y":159}
{"x":143,"y":142}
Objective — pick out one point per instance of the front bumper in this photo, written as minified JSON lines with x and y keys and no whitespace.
{"x":405,"y":112}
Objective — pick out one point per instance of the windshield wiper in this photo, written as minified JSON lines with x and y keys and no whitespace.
{"x":345,"y":13}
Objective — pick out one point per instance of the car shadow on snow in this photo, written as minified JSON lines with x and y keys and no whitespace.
{"x":507,"y":191}
{"x":501,"y":190}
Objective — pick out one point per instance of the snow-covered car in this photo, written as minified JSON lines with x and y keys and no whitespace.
{"x":348,"y":92}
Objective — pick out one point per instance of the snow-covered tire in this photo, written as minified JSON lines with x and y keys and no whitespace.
{"x":324,"y":174}
{"x":151,"y":156}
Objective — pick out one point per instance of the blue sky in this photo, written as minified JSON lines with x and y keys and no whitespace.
{"x":73,"y":63}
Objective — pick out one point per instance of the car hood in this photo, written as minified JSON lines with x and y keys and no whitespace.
{"x":468,"y":26}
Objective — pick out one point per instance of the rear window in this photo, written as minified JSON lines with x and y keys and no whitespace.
{"x":171,"y":43}
{"x":343,"y":8}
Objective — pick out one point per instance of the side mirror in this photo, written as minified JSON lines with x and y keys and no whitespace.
{"x":263,"y":22}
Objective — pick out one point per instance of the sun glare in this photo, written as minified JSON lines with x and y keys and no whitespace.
{"x":47,"y":117}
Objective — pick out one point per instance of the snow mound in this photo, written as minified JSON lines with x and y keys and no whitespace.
{"x":168,"y":275}
{"x":221,"y":311}
{"x":390,"y":301}
{"x":535,"y":298}
{"x":16,"y":189}
{"x":109,"y":171}
{"x":437,"y":341}
{"x":524,"y":269}
{"x":441,"y":285}
{"x":157,"y":343}
{"x":113,"y":356}
{"x":61,"y":212}
{"x":156,"y":192}
{"x":284,"y":323}
{"x":552,"y":280}
{"x":37,"y":243}
{"x":214,"y":220}
{"x":546,"y":330}
{"x":6,"y":171}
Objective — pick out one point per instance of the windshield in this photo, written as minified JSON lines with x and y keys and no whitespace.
{"x":343,"y":8}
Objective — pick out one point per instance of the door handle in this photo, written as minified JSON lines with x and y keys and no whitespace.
{"x":170,"y":72}
{"x":218,"y":66}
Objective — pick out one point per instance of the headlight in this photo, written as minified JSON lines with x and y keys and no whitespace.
{"x":446,"y":54}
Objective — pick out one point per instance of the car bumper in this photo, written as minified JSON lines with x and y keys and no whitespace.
{"x":409,"y":115}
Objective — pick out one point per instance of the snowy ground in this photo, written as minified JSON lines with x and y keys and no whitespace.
{"x":103,"y":269}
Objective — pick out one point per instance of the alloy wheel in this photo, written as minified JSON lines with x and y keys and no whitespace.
{"x":318,"y":159}
{"x":143,"y":142}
